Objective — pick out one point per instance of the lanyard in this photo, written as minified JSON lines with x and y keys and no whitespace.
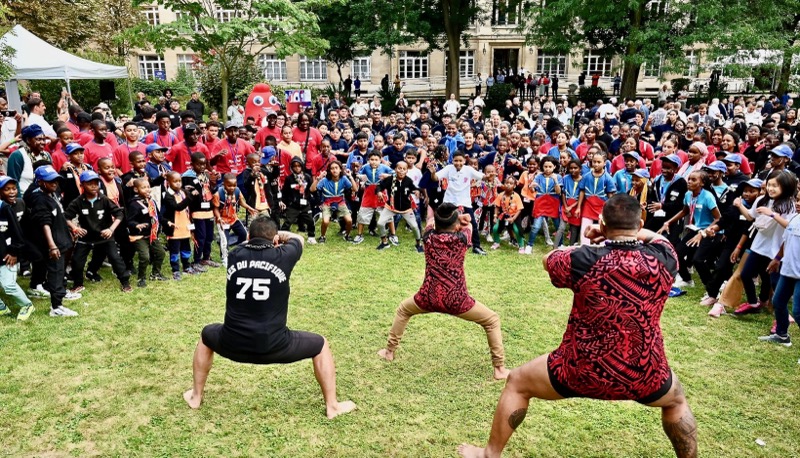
{"x":692,"y":205}
{"x":158,"y":140}
{"x":664,"y":187}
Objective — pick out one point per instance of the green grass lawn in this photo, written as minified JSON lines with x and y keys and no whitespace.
{"x":109,"y":382}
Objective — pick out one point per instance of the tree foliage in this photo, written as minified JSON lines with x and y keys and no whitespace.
{"x":338,"y":24}
{"x":6,"y":52}
{"x":229,"y":33}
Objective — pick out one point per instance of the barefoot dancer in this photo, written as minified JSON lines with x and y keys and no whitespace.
{"x":255,"y":329}
{"x":612,"y":348}
{"x":445,"y":287}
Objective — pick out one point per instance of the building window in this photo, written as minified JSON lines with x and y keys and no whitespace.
{"x":413,"y":65}
{"x":552,"y":64}
{"x":188,"y":62}
{"x":506,"y":12}
{"x":466,"y":64}
{"x":361,"y":67}
{"x":152,"y":16}
{"x":657,"y":8}
{"x":149,"y":65}
{"x":313,"y":69}
{"x":225,"y":15}
{"x":191,"y":21}
{"x":692,"y":61}
{"x":653,"y":70}
{"x":594,"y":63}
{"x":274,"y":69}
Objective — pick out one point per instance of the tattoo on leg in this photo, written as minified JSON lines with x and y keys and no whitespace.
{"x":683,"y":435}
{"x":516,"y":417}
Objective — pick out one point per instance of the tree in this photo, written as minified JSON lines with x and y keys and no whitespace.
{"x":6,"y":52}
{"x":229,"y":33}
{"x":338,"y":25}
{"x":56,"y":24}
{"x":638,"y":31}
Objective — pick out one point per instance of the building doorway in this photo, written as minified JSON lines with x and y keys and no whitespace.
{"x":503,"y":59}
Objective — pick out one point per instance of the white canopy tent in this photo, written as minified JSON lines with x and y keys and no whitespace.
{"x":36,"y":59}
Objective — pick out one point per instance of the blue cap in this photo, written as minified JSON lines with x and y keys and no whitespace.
{"x":155,"y":147}
{"x":674,"y":158}
{"x":783,"y":150}
{"x":46,"y":173}
{"x":732,"y":157}
{"x":32,"y":131}
{"x":5,"y":179}
{"x":268,"y":152}
{"x":72,"y":147}
{"x":89,"y":175}
{"x":642,"y":173}
{"x":716,"y":166}
{"x":755,"y":183}
{"x":633,"y":154}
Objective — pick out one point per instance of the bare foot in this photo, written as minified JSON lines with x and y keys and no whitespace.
{"x":501,"y":373}
{"x":193,"y":401}
{"x":340,"y":408}
{"x":386,"y":354}
{"x":471,"y":451}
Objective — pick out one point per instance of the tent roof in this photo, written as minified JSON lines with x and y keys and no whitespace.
{"x":35,"y":59}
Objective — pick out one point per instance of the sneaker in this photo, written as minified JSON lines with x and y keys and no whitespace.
{"x":384,"y":246}
{"x":127,"y":288}
{"x":72,"y":296}
{"x":190,"y":271}
{"x":358,"y":239}
{"x":158,"y":277}
{"x":210,"y":263}
{"x":347,"y":238}
{"x":78,"y":289}
{"x":176,"y":276}
{"x":4,"y":310}
{"x":311,"y":241}
{"x":25,"y":312}
{"x":323,"y":239}
{"x":549,"y":243}
{"x":528,"y":249}
{"x":141,"y":283}
{"x":786,"y":341}
{"x":199,"y":268}
{"x":746,"y":308}
{"x":494,"y":246}
{"x":39,"y":292}
{"x":420,"y":249}
{"x":373,"y":232}
{"x":342,"y":232}
{"x":708,"y":301}
{"x":717,"y":310}
{"x":489,"y":238}
{"x":62,"y":311}
{"x":521,"y":251}
{"x":394,"y":240}
{"x":504,"y":236}
{"x":479,"y":251}
{"x":26,"y":273}
{"x":93,"y":277}
{"x":680,"y":283}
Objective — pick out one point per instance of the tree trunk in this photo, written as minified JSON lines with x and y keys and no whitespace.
{"x":223,"y":79}
{"x":785,"y":74}
{"x":453,"y":83}
{"x":630,"y":78}
{"x":339,"y":71}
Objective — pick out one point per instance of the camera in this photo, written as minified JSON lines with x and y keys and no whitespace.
{"x":9,"y":113}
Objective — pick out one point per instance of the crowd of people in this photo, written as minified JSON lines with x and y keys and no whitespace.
{"x":718,"y":179}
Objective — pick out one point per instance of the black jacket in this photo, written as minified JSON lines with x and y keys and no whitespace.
{"x":44,"y":210}
{"x":138,"y":213}
{"x":169,"y":206}
{"x":94,"y":216}
{"x":293,"y":191}
{"x":11,"y":240}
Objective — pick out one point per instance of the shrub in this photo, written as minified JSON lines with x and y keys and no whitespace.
{"x":591,"y":94}
{"x":242,"y":78}
{"x":497,"y":96}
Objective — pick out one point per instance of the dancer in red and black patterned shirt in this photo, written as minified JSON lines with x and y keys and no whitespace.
{"x":444,"y":289}
{"x":613,"y":348}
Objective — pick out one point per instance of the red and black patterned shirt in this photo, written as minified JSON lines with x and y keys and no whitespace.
{"x":444,"y":289}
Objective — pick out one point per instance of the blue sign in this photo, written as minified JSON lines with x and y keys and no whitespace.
{"x":160,"y":74}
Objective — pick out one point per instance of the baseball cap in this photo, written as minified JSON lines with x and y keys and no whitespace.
{"x":155,"y":147}
{"x":732,"y":157}
{"x":268,"y":152}
{"x":632,"y":154}
{"x":191,"y":127}
{"x":782,"y":151}
{"x":72,"y":147}
{"x":642,"y":173}
{"x":272,"y":114}
{"x":755,"y":183}
{"x":46,"y":173}
{"x":5,"y":179}
{"x":89,"y":175}
{"x":230,"y":124}
{"x":674,"y":158}
{"x":717,"y":166}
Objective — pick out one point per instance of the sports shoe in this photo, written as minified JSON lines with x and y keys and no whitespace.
{"x":549,"y":242}
{"x":323,"y":239}
{"x":528,"y":249}
{"x":39,"y":292}
{"x":26,"y":273}
{"x":25,"y":312}
{"x":311,"y":241}
{"x":394,"y":240}
{"x":93,"y":277}
{"x":210,"y":263}
{"x":72,"y":296}
{"x":127,"y":288}
{"x":494,"y":246}
{"x":521,"y":251}
{"x":176,"y":276}
{"x":717,"y":310}
{"x":199,"y":268}
{"x":342,"y":232}
{"x":141,"y":283}
{"x":347,"y":238}
{"x":479,"y":251}
{"x":62,"y":311}
{"x":420,"y":249}
{"x":786,"y":341}
{"x":681,"y":283}
{"x":78,"y":289}
{"x":4,"y":310}
{"x":190,"y":271}
{"x":489,"y":238}
{"x":746,"y":308}
{"x":158,"y":277}
{"x":708,"y":301}
{"x":504,"y":236}
{"x":384,"y":246}
{"x":358,"y":239}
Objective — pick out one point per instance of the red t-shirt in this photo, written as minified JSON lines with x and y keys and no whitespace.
{"x":122,"y":155}
{"x":180,"y":155}
{"x":95,"y":152}
{"x":314,"y":140}
{"x":87,"y":136}
{"x":233,"y":157}
{"x":266,"y":131}
{"x":444,"y":289}
{"x":167,"y":140}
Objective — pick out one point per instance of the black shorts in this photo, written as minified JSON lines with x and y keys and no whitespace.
{"x":302,"y":345}
{"x":567,"y":392}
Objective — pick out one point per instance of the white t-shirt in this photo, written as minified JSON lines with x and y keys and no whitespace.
{"x":236,"y":116}
{"x":790,"y":267}
{"x":8,"y":129}
{"x":452,"y":106}
{"x":458,"y":184}
{"x":416,"y":175}
{"x":769,"y":237}
{"x":34,"y":118}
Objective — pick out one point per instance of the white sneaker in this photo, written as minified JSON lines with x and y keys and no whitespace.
{"x":72,"y":296}
{"x":311,"y":241}
{"x":39,"y":291}
{"x":683,"y":284}
{"x":549,"y":242}
{"x":489,"y":238}
{"x":528,"y":249}
{"x":504,"y":236}
{"x":62,"y":311}
{"x":708,"y":300}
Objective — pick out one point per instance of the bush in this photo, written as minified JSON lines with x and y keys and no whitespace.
{"x":678,"y":84}
{"x":388,"y":99}
{"x":243,"y":76}
{"x":591,"y":94}
{"x":85,"y":93}
{"x":497,"y":95}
